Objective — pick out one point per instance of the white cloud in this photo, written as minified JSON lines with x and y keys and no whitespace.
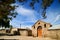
{"x":57,"y":18}
{"x":55,"y":26}
{"x":26,"y":26}
{"x":30,"y":14}
{"x":16,"y":23}
{"x":23,"y":12}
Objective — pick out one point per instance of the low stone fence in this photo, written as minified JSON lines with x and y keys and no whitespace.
{"x":54,"y":34}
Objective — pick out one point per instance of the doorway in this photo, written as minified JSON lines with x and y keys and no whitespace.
{"x":39,"y":31}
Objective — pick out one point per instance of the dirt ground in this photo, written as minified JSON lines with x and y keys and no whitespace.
{"x":23,"y":38}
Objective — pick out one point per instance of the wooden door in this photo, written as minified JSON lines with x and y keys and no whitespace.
{"x":39,"y":32}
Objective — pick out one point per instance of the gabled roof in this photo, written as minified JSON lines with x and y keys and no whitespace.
{"x":54,"y":27}
{"x":41,"y":21}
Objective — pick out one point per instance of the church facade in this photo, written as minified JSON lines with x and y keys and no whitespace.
{"x":40,"y":28}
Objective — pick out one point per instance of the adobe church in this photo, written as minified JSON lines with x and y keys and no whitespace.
{"x":40,"y":29}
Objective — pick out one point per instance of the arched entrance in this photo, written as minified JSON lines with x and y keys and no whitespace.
{"x":39,"y":31}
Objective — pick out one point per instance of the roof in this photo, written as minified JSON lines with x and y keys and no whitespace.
{"x":54,"y":27}
{"x":41,"y":21}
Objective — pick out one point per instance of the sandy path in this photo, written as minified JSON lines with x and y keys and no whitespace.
{"x":24,"y":38}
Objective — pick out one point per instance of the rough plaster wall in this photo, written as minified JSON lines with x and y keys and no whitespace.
{"x":34,"y":31}
{"x":48,"y":26}
{"x":54,"y":34}
{"x":14,"y":29}
{"x":46,"y":32}
{"x":23,"y":33}
{"x":58,"y":34}
{"x":2,"y":31}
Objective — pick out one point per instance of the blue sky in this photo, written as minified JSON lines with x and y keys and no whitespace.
{"x":27,"y":16}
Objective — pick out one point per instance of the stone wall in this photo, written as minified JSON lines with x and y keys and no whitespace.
{"x":23,"y":33}
{"x":13,"y":29}
{"x":44,"y":29}
{"x":2,"y":31}
{"x":54,"y":34}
